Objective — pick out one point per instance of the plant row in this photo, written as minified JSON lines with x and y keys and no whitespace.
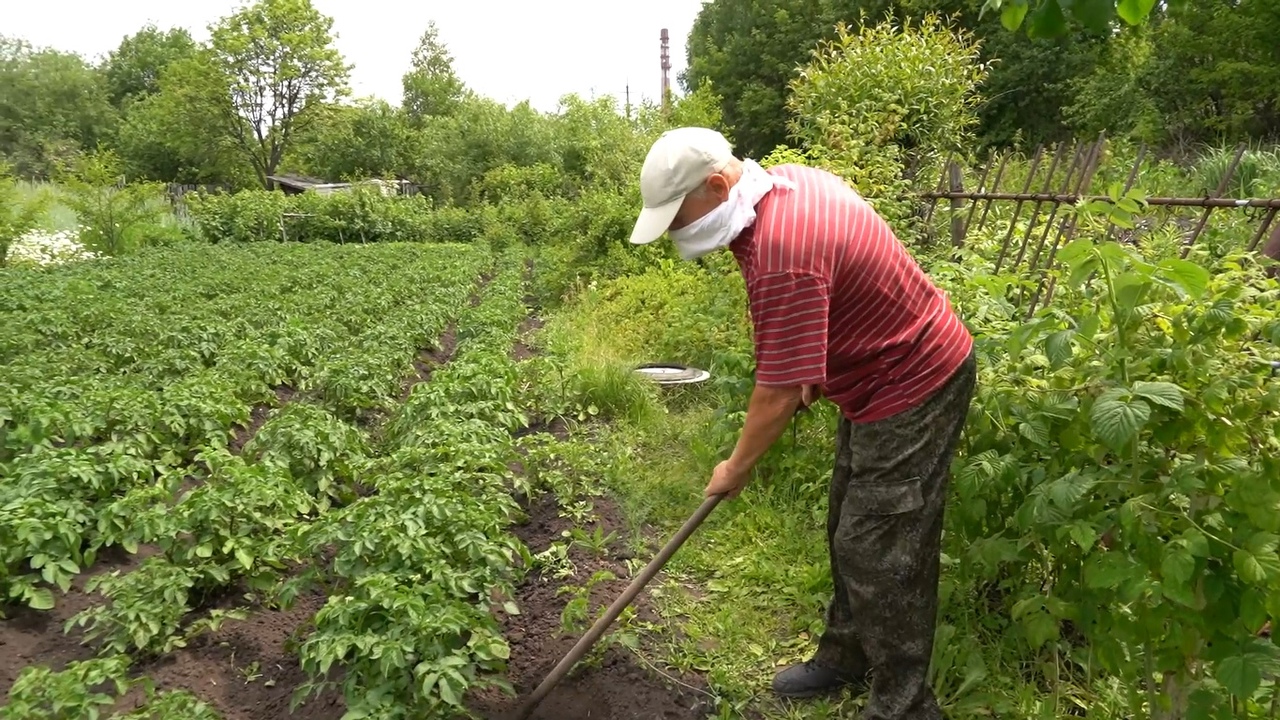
{"x":414,"y":569}
{"x":1118,"y":486}
{"x":125,"y":381}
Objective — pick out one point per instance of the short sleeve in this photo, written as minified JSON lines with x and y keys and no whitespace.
{"x":789,"y":314}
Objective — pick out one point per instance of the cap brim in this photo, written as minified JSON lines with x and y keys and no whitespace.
{"x":654,"y":221}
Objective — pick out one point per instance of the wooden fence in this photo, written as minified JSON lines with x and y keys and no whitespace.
{"x":1064,"y":175}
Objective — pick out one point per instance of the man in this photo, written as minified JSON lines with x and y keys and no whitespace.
{"x":839,"y":309}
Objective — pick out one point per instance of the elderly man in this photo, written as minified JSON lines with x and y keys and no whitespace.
{"x":841,"y":310}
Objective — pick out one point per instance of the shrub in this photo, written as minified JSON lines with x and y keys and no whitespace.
{"x":886,"y":103}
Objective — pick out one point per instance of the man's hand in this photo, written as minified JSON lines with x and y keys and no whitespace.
{"x":727,"y":479}
{"x":768,"y":412}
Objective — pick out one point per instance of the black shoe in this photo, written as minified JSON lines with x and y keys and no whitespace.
{"x":809,"y":679}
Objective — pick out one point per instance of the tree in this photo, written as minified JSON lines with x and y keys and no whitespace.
{"x":369,"y":138}
{"x":52,"y":105}
{"x":751,"y":50}
{"x":133,"y":69}
{"x":274,"y":63}
{"x":431,"y":87}
{"x":176,"y":136}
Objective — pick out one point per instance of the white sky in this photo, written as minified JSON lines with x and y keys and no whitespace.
{"x":508,"y":50}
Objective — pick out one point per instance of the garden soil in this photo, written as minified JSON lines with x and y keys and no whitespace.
{"x":248,"y":671}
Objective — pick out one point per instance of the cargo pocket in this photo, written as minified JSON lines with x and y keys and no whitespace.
{"x":892,"y":498}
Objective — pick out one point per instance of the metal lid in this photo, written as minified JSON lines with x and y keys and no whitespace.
{"x":673,"y":374}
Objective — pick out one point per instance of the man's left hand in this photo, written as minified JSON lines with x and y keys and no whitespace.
{"x":727,"y":479}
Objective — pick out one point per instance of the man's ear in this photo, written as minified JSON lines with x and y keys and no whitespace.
{"x":718,"y":184}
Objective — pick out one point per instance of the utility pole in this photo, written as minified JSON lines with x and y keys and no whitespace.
{"x":666,"y":67}
{"x":628,"y":99}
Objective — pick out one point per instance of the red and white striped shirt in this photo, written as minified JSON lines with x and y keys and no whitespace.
{"x":836,"y":301}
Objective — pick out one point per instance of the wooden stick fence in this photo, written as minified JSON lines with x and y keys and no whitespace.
{"x":1072,"y":169}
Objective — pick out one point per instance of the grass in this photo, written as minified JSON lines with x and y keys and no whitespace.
{"x":747,"y":593}
{"x":57,"y":215}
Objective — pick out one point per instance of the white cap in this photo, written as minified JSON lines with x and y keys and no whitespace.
{"x":679,"y":161}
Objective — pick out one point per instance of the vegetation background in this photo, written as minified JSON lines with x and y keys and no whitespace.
{"x":1111,"y":547}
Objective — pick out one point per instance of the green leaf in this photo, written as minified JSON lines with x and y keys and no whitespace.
{"x":1240,"y":674}
{"x":1095,"y":15}
{"x":1106,"y":570}
{"x":1116,"y":421}
{"x":1134,"y":11}
{"x":1084,"y":535}
{"x":1040,"y":628}
{"x":245,"y":558}
{"x":511,"y":608}
{"x":1196,"y":543}
{"x":1036,"y":431}
{"x":447,"y":692}
{"x":40,"y":599}
{"x":1253,"y":610}
{"x":1011,"y":15}
{"x":1262,"y":543}
{"x":1165,"y":394}
{"x":1255,"y":567}
{"x":204,"y":550}
{"x":1047,"y":21}
{"x":1058,"y":347}
{"x":1178,"y":565}
{"x":1191,"y":278}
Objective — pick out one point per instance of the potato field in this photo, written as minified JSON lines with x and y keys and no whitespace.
{"x":208,"y":452}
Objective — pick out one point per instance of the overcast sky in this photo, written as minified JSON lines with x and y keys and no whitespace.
{"x":507,"y":50}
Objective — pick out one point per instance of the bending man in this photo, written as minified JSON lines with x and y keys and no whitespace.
{"x":841,"y":310}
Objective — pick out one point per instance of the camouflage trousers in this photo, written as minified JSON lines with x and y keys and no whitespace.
{"x":884,"y":530}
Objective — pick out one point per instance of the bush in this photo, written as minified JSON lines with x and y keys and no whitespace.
{"x":884,"y":104}
{"x":361,"y":215}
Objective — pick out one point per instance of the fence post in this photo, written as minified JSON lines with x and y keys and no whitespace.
{"x":1222,"y":187}
{"x":956,"y":185}
{"x":1017,"y":209}
{"x":1068,"y":225}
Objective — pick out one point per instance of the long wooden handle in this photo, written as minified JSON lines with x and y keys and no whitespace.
{"x":589,"y":639}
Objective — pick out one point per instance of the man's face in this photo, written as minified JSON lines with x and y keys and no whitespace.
{"x":697,"y":204}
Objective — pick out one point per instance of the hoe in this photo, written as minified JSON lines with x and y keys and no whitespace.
{"x":589,"y":639}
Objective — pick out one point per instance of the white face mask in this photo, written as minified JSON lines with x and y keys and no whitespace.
{"x":719,"y":227}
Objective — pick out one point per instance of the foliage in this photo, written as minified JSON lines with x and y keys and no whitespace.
{"x":132,"y":71}
{"x":431,"y":87}
{"x":77,"y":692}
{"x":19,"y":215}
{"x":1112,"y":432}
{"x":417,"y":564}
{"x":52,"y":106}
{"x":269,"y":65}
{"x":1049,"y":18}
{"x":362,"y":215}
{"x":134,"y":370}
{"x":880,"y":105}
{"x":370,"y":138}
{"x":116,"y":217}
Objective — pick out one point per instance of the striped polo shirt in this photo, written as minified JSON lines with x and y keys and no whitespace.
{"x":836,"y":301}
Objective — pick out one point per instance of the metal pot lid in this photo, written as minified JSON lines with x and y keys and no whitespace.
{"x":672,"y":373}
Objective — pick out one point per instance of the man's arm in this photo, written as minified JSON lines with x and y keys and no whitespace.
{"x":789,"y":311}
{"x":768,"y":413}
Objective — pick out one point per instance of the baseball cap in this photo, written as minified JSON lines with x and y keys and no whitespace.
{"x":679,"y":161}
